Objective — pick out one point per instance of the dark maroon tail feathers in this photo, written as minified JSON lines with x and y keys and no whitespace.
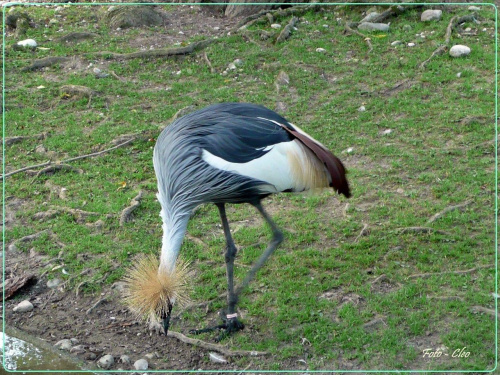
{"x":332,"y":163}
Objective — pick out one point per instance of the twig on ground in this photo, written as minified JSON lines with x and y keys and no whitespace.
{"x":205,"y":57}
{"x":448,"y":209}
{"x":380,"y":278}
{"x":287,"y":30}
{"x":458,"y":272}
{"x":116,"y":76}
{"x":263,"y":14}
{"x":421,"y":230}
{"x":365,"y":38}
{"x":96,"y":305}
{"x":363,"y":232}
{"x":486,"y":311}
{"x":125,"y":215}
{"x":215,"y":347}
{"x":451,"y":25}
{"x":68,"y":160}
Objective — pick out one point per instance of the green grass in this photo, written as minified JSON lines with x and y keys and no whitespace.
{"x":437,"y":155}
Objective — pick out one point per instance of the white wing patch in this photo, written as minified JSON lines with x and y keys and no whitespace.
{"x":286,"y":165}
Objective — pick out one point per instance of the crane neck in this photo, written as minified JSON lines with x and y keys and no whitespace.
{"x":174,"y":230}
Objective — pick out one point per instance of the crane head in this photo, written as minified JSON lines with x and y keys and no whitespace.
{"x":151,"y":292}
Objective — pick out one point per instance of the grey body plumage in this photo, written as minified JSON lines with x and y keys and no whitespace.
{"x":234,"y":153}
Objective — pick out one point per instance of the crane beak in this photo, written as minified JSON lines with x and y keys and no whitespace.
{"x":166,"y":318}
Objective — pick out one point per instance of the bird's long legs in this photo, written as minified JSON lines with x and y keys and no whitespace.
{"x":231,"y":323}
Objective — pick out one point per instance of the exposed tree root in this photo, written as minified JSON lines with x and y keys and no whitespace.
{"x":56,"y":167}
{"x":166,"y":52}
{"x":459,"y":272}
{"x":75,"y":37}
{"x":29,"y":238}
{"x":264,"y":15}
{"x":127,"y":212}
{"x":11,"y":140}
{"x":442,"y":48}
{"x":45,"y":63}
{"x":96,"y":305}
{"x":421,"y":230}
{"x":448,"y":209}
{"x":13,"y":284}
{"x":68,"y":160}
{"x":485,"y":310}
{"x":215,"y":347}
{"x":287,"y":30}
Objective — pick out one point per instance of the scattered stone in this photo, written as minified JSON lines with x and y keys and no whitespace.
{"x":370,"y":26}
{"x":74,"y":340}
{"x":78,"y":349}
{"x":459,"y":50}
{"x":349,"y":150}
{"x":474,"y":8}
{"x":362,"y":108}
{"x":276,"y":26}
{"x":141,"y":364}
{"x":125,"y":359}
{"x":23,"y":306}
{"x":54,"y":283}
{"x":231,"y":66}
{"x":90,"y":356}
{"x":396,"y":43}
{"x":63,"y":193}
{"x":459,"y":74}
{"x":411,"y":44}
{"x":431,"y":15}
{"x":217,"y":358}
{"x":64,"y":345}
{"x":238,"y":62}
{"x":370,"y":17}
{"x":387,"y":131}
{"x":320,"y":50}
{"x":150,"y":355}
{"x":106,"y":362}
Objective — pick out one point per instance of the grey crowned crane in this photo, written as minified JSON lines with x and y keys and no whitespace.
{"x":224,"y":153}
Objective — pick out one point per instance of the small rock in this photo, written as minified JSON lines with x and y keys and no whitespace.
{"x":90,"y":356}
{"x":459,"y":74}
{"x":23,"y":306}
{"x":411,"y":44}
{"x":276,"y":26}
{"x":387,"y":131}
{"x":27,"y":43}
{"x":362,"y":108}
{"x":63,"y":193}
{"x":53,"y":21}
{"x":125,"y":359}
{"x":320,"y":50}
{"x":370,"y":26}
{"x":400,"y":191}
{"x":54,"y":283}
{"x":141,"y":364}
{"x":238,"y":62}
{"x":217,"y":358}
{"x":459,"y":50}
{"x":431,"y":15}
{"x":64,"y":344}
{"x":231,"y":66}
{"x":74,"y":340}
{"x":349,"y":150}
{"x":282,"y":79}
{"x":474,"y":8}
{"x":396,"y":43}
{"x":106,"y":362}
{"x":370,"y":17}
{"x":40,"y":149}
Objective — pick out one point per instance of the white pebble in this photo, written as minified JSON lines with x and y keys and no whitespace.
{"x":27,"y":43}
{"x":217,"y":358}
{"x":276,"y":26}
{"x":459,"y":50}
{"x":181,"y":32}
{"x":141,"y":364}
{"x":387,"y":131}
{"x":396,"y":43}
{"x":459,"y":74}
{"x":125,"y":359}
{"x":474,"y":8}
{"x":23,"y":306}
{"x":231,"y":66}
{"x":349,"y":150}
{"x":362,"y":108}
{"x":321,"y":50}
{"x":411,"y":44}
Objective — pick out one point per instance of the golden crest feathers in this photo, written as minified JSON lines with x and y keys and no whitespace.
{"x":148,"y":291}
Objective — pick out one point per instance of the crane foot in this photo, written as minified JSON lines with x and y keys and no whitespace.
{"x":228,"y":327}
